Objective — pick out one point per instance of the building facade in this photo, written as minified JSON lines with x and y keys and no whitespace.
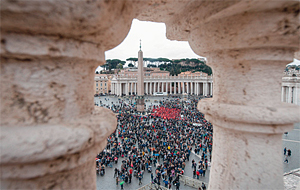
{"x":290,"y":90}
{"x":101,"y":84}
{"x":197,"y":85}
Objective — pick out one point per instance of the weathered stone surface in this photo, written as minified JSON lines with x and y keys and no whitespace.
{"x":50,"y":49}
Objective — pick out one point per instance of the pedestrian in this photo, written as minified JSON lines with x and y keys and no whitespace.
{"x":117,"y":180}
{"x":140,"y":179}
{"x":130,"y":177}
{"x":116,"y":172}
{"x":151,"y":177}
{"x":289,"y":152}
{"x":286,"y":159}
{"x":284,"y":151}
{"x":177,"y":185}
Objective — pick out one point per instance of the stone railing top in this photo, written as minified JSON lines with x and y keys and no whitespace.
{"x":279,"y":115}
{"x":57,"y":140}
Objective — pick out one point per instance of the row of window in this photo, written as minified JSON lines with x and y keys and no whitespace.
{"x":100,"y":84}
{"x":101,"y":88}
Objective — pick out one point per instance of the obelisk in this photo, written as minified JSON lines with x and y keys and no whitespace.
{"x":140,"y":82}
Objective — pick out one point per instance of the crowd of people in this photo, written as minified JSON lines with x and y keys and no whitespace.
{"x":159,"y":142}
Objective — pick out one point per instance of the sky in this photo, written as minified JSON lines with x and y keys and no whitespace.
{"x":154,"y":43}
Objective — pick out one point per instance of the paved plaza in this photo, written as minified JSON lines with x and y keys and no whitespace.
{"x":107,"y":182}
{"x":292,"y":141}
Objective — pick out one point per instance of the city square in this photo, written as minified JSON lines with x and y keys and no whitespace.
{"x":290,"y":141}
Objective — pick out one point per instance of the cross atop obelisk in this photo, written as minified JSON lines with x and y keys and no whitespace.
{"x":141,"y":45}
{"x":140,"y":82}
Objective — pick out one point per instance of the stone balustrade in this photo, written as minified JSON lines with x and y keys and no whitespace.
{"x":50,"y":130}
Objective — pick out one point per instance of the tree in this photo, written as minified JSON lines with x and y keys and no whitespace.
{"x":177,"y":61}
{"x":132,"y":60}
{"x":130,"y":65}
{"x":112,"y":64}
{"x":151,"y":65}
{"x":119,"y":66}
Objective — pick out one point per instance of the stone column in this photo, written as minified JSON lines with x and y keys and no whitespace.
{"x":114,"y":88}
{"x":247,"y":114}
{"x":166,"y":87}
{"x":186,"y":87}
{"x":192,"y":87}
{"x":154,"y":90}
{"x":282,"y":94}
{"x":50,"y":129}
{"x":290,"y":94}
{"x":121,"y":88}
{"x":295,"y":95}
{"x":135,"y":88}
{"x":203,"y":89}
{"x":179,"y":90}
{"x":151,"y":88}
{"x":162,"y":86}
{"x":146,"y":83}
{"x":211,"y":88}
{"x":118,"y":88}
{"x":182,"y":87}
{"x":174,"y":90}
{"x":126,"y":88}
{"x":158,"y":87}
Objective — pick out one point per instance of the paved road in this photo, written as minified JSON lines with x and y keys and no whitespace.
{"x":107,"y":182}
{"x":292,"y":141}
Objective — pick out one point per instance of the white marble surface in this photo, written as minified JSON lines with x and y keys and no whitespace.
{"x":292,"y":180}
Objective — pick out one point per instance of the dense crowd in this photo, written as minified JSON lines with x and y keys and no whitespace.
{"x":160,"y":144}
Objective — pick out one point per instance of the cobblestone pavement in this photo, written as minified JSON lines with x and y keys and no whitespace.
{"x":290,"y":141}
{"x":292,"y":180}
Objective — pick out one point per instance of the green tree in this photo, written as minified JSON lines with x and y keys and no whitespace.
{"x":120,"y":66}
{"x":112,"y":64}
{"x":133,"y":60}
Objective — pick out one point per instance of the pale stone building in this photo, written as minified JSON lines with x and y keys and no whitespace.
{"x":197,"y":84}
{"x":51,"y":131}
{"x":101,"y":84}
{"x":291,"y":89}
{"x":133,"y":72}
{"x":189,"y":73}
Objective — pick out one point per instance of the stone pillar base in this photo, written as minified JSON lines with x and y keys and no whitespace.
{"x":140,"y":102}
